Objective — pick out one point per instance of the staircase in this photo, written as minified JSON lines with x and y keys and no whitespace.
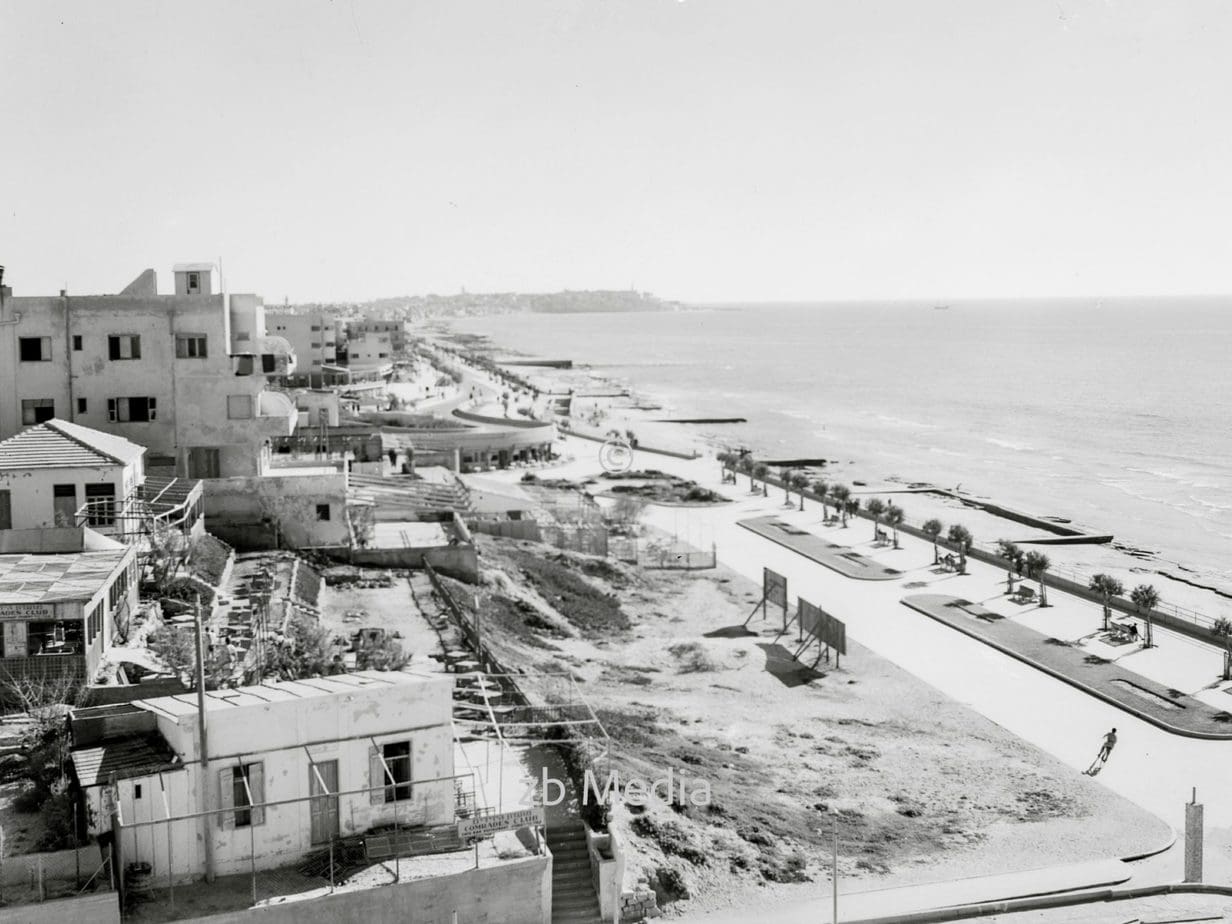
{"x":573,"y":892}
{"x":397,"y":495}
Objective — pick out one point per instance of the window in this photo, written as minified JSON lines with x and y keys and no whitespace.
{"x":124,"y":346}
{"x":239,"y":407}
{"x":322,"y":512}
{"x":77,"y":342}
{"x":390,"y":770}
{"x":382,"y":355}
{"x":242,"y":786}
{"x":34,"y":349}
{"x":268,"y":362}
{"x":132,"y":410}
{"x":194,"y":281}
{"x":203,"y":462}
{"x":81,"y":405}
{"x":100,"y":499}
{"x":316,"y":327}
{"x":64,"y":504}
{"x":314,"y":346}
{"x":241,"y":335}
{"x":190,"y":346}
{"x":316,"y":362}
{"x":36,"y":410}
{"x":136,"y":790}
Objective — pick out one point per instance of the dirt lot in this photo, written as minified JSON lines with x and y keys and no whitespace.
{"x":919,"y":787}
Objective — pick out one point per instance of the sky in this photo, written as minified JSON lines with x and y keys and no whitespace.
{"x":704,"y":150}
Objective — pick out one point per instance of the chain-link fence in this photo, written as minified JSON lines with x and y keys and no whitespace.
{"x":267,"y":852}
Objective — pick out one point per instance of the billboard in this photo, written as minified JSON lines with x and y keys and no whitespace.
{"x":774,"y":590}
{"x":822,"y":626}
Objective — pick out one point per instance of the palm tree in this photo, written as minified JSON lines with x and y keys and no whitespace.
{"x":761,"y":470}
{"x":1107,"y":587}
{"x":1146,"y":598}
{"x":1012,"y":555}
{"x":1222,"y":627}
{"x":820,"y":488}
{"x":747,"y":465}
{"x":960,"y":537}
{"x":933,"y":528}
{"x":894,"y":519}
{"x":800,"y":482}
{"x":841,"y":494}
{"x":787,"y":477}
{"x":876,"y":506}
{"x":727,"y":460}
{"x":1037,"y":563}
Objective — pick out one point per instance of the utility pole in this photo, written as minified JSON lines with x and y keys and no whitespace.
{"x":834,"y":874}
{"x":207,"y":820}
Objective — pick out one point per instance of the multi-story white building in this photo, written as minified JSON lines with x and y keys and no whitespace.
{"x":183,"y":375}
{"x":313,"y":339}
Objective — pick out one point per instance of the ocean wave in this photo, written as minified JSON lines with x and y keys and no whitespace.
{"x":1007,"y":444}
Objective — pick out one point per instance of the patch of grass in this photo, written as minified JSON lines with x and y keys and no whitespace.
{"x":671,"y":838}
{"x":587,"y":607}
{"x":693,"y":658}
{"x":519,"y":620}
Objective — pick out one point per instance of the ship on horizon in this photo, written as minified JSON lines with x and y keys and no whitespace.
{"x":941,"y":307}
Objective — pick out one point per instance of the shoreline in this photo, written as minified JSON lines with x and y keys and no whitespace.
{"x":628,"y":406}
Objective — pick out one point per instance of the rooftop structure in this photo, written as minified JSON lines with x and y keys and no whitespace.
{"x":60,"y":444}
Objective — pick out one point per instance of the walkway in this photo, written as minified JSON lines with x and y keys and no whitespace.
{"x":836,"y":557}
{"x":1165,"y":707}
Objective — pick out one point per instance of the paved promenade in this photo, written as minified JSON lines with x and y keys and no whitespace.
{"x":834,"y":556}
{"x":1164,"y":706}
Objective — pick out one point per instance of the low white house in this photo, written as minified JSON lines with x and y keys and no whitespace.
{"x":292,"y":766}
{"x":50,"y":471}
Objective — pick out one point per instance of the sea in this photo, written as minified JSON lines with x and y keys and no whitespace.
{"x":1115,"y":414}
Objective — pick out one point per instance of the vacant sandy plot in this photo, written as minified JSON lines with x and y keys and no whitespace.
{"x":918,"y":787}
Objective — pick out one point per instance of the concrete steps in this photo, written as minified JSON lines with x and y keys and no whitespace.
{"x":573,"y":893}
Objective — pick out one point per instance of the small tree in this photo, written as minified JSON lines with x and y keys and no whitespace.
{"x":841,"y":494}
{"x":1037,"y":564}
{"x":876,"y":506}
{"x":788,"y":477}
{"x":800,"y":482}
{"x":748,"y":467}
{"x":1107,"y":587}
{"x":1223,"y":629}
{"x":820,"y":488}
{"x":894,"y":519}
{"x":761,"y":471}
{"x":960,"y":537}
{"x":933,"y":529}
{"x":627,"y":510}
{"x":1145,"y":598}
{"x":1013,"y":557}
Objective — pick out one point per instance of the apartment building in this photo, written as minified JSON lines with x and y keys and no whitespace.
{"x":313,"y":339}
{"x":184,"y":375}
{"x":396,"y":334}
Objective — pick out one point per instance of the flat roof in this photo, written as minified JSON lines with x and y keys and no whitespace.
{"x":192,"y":267}
{"x":281,"y":691}
{"x":57,"y":578}
{"x":136,"y":755}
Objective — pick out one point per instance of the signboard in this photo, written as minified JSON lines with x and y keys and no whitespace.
{"x":487,"y":825}
{"x":27,"y":611}
{"x":15,"y":640}
{"x":822,"y":626}
{"x":773,"y":590}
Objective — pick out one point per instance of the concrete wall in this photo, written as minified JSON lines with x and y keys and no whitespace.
{"x":90,"y":908}
{"x":297,"y":329}
{"x":515,"y":892}
{"x":457,"y":561}
{"x":236,"y":508}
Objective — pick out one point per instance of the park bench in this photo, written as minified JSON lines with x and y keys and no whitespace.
{"x":1025,"y":594}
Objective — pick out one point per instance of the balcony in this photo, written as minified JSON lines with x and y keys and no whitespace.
{"x":159,"y":503}
{"x":273,"y":357}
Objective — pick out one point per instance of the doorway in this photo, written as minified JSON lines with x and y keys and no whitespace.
{"x":324,"y":803}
